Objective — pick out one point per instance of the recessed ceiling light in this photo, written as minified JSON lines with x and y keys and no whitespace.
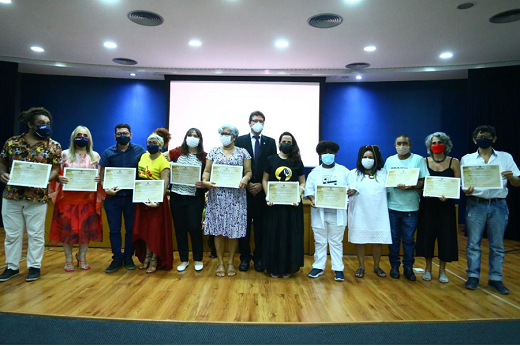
{"x":59,"y":64}
{"x":5,"y":1}
{"x":358,"y":77}
{"x":132,"y":74}
{"x":281,"y":44}
{"x":109,"y":44}
{"x":446,"y":55}
{"x":218,"y":72}
{"x":195,"y":43}
{"x":370,"y":48}
{"x":37,"y":49}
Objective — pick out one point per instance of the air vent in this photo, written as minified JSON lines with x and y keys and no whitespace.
{"x":466,"y":5}
{"x":145,"y":18}
{"x":325,"y":20}
{"x":124,"y":61}
{"x":506,"y":17}
{"x":358,"y":65}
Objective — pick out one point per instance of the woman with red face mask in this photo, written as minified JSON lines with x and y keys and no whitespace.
{"x":437,"y":219}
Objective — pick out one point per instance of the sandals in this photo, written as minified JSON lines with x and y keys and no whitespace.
{"x":146,"y":262}
{"x":360,"y":273}
{"x":443,"y":278}
{"x":231,"y":271}
{"x":69,"y":265}
{"x":274,"y":276}
{"x":153,"y":266}
{"x":286,"y":276}
{"x":380,"y":272}
{"x":221,"y":272}
{"x":427,"y":276}
{"x":82,"y":264}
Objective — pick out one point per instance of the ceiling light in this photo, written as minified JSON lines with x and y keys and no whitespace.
{"x":325,"y":20}
{"x":109,"y":44}
{"x":370,"y":48}
{"x":358,"y":77}
{"x":37,"y":49}
{"x":506,"y":17}
{"x":446,"y":55}
{"x":195,"y":43}
{"x":218,"y":72}
{"x":358,"y":65}
{"x":5,"y":1}
{"x":124,"y":61}
{"x":145,"y":18}
{"x":132,"y":74}
{"x":59,"y":64}
{"x":281,"y":44}
{"x":466,"y":5}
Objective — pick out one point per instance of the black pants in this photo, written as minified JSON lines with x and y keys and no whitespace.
{"x":187,"y":218}
{"x":255,"y":217}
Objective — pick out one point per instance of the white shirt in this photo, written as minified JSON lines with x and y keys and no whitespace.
{"x":253,"y":141}
{"x":501,"y":158}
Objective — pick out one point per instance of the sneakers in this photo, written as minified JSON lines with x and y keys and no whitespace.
{"x":394,"y":273}
{"x":182,"y":267}
{"x":114,"y":266}
{"x":315,"y":273}
{"x":8,"y":274}
{"x":472,"y":283}
{"x":498,"y":286}
{"x":338,"y":276}
{"x":129,"y":263}
{"x":409,"y":274}
{"x":34,"y":274}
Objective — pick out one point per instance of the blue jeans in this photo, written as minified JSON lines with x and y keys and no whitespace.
{"x":116,"y":207}
{"x":402,"y":224}
{"x":493,"y":217}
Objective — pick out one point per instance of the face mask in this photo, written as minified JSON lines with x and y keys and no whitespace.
{"x":225,"y":140}
{"x":403,"y":150}
{"x":43,"y":131}
{"x":438,"y":148}
{"x":81,"y":141}
{"x":328,"y":159}
{"x":192,"y":142}
{"x":286,"y":148}
{"x":152,"y":148}
{"x":484,"y":143}
{"x":367,"y":163}
{"x":257,"y":127}
{"x":123,"y":140}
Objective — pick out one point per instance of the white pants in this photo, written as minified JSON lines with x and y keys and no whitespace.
{"x":18,"y":215}
{"x":332,"y":235}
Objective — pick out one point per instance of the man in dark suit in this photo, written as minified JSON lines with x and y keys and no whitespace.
{"x":260,"y":147}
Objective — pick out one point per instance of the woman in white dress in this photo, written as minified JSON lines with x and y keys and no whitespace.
{"x":368,"y":220}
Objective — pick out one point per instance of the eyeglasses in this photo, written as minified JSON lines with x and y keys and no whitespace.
{"x":225,"y":134}
{"x":257,"y":121}
{"x":124,"y":134}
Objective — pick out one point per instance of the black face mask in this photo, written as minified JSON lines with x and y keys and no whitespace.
{"x":484,"y":143}
{"x":123,"y":140}
{"x":286,"y":148}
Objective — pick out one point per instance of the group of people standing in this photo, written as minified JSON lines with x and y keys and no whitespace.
{"x":376,"y":215}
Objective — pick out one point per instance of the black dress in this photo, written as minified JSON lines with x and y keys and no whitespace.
{"x":437,"y":220}
{"x":283,"y":225}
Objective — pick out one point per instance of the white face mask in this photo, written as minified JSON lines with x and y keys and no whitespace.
{"x":403,"y":149}
{"x":225,"y":140}
{"x":192,"y":142}
{"x":257,"y":127}
{"x":367,"y":163}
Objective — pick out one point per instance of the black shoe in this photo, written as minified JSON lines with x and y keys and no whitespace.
{"x":8,"y":274}
{"x":129,"y":263}
{"x":259,"y":266}
{"x":472,"y":283}
{"x":244,"y":266}
{"x":114,"y":266}
{"x":213,"y":254}
{"x":498,"y":286}
{"x":394,"y":273}
{"x":34,"y":274}
{"x":409,"y":274}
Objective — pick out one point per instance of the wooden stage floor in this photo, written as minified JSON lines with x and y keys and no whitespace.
{"x":256,"y":298}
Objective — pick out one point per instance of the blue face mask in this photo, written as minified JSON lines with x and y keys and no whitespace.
{"x":81,"y":141}
{"x":152,"y":148}
{"x":43,"y":131}
{"x":484,"y":143}
{"x":328,"y":159}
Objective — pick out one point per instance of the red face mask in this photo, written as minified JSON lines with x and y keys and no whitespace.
{"x":438,"y":148}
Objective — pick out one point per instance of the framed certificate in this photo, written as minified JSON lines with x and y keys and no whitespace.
{"x":145,"y":190}
{"x":441,"y":186}
{"x":123,"y":178}
{"x":80,"y":179}
{"x":405,"y":176}
{"x":481,"y":176}
{"x":331,"y":196}
{"x":29,"y":174}
{"x":184,"y":174}
{"x":226,"y":176}
{"x":283,"y":192}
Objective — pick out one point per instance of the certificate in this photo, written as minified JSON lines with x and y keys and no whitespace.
{"x":481,"y":176}
{"x":226,"y":176}
{"x":30,"y":174}
{"x":441,"y":186}
{"x":184,"y":174}
{"x":405,"y":176}
{"x":123,"y":178}
{"x":331,"y":196}
{"x":80,"y":179}
{"x":145,"y":190}
{"x":283,"y":192}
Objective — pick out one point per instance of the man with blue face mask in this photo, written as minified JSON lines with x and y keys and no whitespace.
{"x":486,"y":209}
{"x":119,"y":202}
{"x":260,"y":147}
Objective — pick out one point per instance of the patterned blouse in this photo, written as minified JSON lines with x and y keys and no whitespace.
{"x":17,"y":148}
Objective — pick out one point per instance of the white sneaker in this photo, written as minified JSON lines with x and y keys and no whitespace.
{"x":199,"y":266}
{"x":182,"y":267}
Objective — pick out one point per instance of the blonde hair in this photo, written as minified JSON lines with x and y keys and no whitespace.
{"x":71,"y":153}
